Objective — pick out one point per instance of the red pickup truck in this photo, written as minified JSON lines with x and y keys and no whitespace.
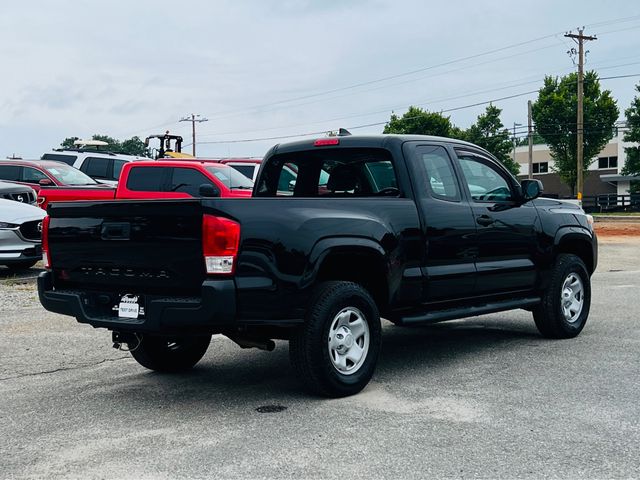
{"x":159,"y":179}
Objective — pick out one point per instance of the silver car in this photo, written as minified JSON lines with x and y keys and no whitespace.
{"x":20,"y":234}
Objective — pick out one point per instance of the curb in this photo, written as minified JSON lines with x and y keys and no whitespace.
{"x":617,"y":218}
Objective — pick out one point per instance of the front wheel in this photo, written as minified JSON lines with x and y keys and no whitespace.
{"x":565,"y":304}
{"x":335,"y":352}
{"x":170,"y":354}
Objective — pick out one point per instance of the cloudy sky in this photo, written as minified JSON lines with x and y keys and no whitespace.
{"x":262,"y":69}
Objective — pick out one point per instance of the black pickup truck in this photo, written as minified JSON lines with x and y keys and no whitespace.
{"x":341,"y":231}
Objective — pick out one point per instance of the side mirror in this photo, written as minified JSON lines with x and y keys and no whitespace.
{"x":44,"y":182}
{"x":208,"y":190}
{"x":531,"y":189}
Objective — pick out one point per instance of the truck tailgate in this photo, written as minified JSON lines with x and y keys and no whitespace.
{"x":146,"y":246}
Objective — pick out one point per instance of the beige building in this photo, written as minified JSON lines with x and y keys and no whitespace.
{"x":604,"y":173}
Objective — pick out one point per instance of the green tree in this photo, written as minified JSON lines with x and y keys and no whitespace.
{"x":131,"y":146}
{"x":421,"y":122}
{"x":113,"y":145}
{"x":632,"y":165}
{"x":555,"y":112}
{"x":135,"y":146}
{"x":489,"y":133}
{"x":68,"y":142}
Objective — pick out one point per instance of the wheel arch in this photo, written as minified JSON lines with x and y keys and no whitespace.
{"x":578,"y":242}
{"x":358,"y":260}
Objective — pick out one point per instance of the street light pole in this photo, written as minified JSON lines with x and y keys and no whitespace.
{"x":515,"y":142}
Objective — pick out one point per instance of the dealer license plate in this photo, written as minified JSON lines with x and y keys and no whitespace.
{"x":129,"y":306}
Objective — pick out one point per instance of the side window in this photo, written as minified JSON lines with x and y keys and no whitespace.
{"x":441,"y":179}
{"x":10,"y":172}
{"x":187,"y":180}
{"x":31,"y":175}
{"x":486,"y":183}
{"x":146,"y":179}
{"x":286,"y":177}
{"x":117,"y":168}
{"x":96,"y":167}
{"x":68,"y":159}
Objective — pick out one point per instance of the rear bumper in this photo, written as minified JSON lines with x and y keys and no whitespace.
{"x":212,"y":311}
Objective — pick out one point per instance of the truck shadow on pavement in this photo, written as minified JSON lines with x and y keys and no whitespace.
{"x":417,"y":355}
{"x":29,"y":274}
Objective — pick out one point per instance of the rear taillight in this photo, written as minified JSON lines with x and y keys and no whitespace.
{"x":220,"y":243}
{"x":46,"y":258}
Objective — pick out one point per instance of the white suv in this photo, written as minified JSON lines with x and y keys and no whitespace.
{"x":100,"y":165}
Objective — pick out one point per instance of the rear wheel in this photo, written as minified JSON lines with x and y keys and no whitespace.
{"x":565,"y":305}
{"x":170,"y":354}
{"x":335,"y":352}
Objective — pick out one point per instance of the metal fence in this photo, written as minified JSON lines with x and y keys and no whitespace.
{"x":612,"y":202}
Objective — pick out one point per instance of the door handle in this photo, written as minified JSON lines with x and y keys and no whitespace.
{"x":485,"y":220}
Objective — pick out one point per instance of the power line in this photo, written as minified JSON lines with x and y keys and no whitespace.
{"x":614,"y":21}
{"x":279,"y":105}
{"x":365,"y":125}
{"x":375,"y":124}
{"x":597,"y":24}
{"x":386,"y":109}
{"x":392,"y":77}
{"x":223,"y":114}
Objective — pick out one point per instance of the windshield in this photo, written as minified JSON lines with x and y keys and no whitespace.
{"x":230,"y":177}
{"x":70,"y":176}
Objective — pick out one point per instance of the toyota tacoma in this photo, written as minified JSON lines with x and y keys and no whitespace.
{"x":413,"y":229}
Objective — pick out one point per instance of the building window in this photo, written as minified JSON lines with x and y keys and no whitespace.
{"x":541,"y":167}
{"x":607,"y":162}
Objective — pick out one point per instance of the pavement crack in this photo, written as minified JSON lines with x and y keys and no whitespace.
{"x":63,"y":369}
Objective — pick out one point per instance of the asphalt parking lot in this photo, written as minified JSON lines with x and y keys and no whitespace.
{"x":486,"y":397}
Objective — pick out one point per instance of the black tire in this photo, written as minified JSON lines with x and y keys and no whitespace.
{"x":170,"y":354}
{"x":549,"y":317}
{"x":22,"y":265}
{"x":309,"y":348}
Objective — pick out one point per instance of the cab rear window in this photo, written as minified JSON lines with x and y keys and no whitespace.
{"x":347,"y":172}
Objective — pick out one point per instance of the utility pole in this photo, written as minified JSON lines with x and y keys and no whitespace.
{"x":580,"y":38}
{"x":530,"y":134}
{"x":193,"y":118}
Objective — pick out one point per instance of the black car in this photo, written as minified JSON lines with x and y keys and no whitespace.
{"x":19,"y":193}
{"x":410,"y":228}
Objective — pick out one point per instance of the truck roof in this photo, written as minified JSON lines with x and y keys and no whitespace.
{"x":364,"y":141}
